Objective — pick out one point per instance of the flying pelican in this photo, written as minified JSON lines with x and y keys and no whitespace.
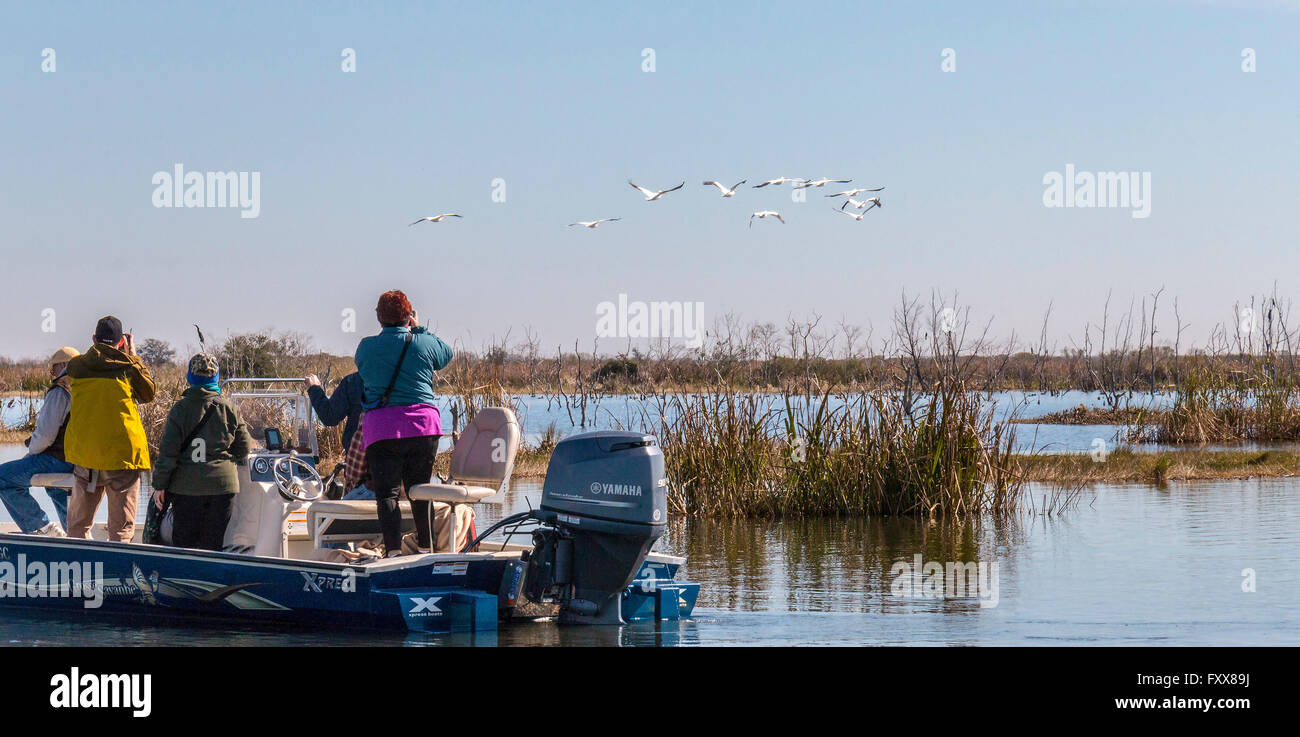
{"x":873,"y":201}
{"x":857,"y":217}
{"x":764,"y":214}
{"x":779,"y":181}
{"x":436,"y":218}
{"x":593,"y":223}
{"x":651,"y":195}
{"x":820,"y":182}
{"x":854,"y":192}
{"x":726,"y":192}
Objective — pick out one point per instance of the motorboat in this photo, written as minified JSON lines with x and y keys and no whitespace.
{"x":584,"y":555}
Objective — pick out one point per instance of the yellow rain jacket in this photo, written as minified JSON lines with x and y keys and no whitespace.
{"x":104,"y":428}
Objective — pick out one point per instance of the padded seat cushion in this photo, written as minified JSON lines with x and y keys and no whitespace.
{"x":359,"y":507}
{"x":451,"y":493}
{"x":52,"y":480}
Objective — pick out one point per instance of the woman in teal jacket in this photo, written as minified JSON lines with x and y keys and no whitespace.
{"x":401,"y":426}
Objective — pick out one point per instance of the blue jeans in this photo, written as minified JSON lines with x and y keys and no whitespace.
{"x":15,"y":491}
{"x":359,"y":493}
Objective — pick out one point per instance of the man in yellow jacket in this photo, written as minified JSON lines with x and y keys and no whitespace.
{"x":105,"y":440}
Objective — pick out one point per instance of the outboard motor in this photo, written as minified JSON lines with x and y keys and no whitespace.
{"x":604,"y":504}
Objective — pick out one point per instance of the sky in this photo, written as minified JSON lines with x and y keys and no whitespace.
{"x":450,"y":100}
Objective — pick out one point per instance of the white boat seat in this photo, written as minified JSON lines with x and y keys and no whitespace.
{"x":481,"y":464}
{"x":349,"y":521}
{"x":52,"y":480}
{"x":451,"y":493}
{"x":356,"y":520}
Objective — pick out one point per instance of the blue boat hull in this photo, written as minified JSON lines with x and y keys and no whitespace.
{"x":427,"y":593}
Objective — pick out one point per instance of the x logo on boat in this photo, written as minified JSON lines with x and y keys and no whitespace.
{"x":309,"y":582}
{"x":426,"y":604}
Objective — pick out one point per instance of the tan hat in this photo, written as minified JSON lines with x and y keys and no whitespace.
{"x":63,"y":355}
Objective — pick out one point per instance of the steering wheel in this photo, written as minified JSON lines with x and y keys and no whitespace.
{"x":291,"y":485}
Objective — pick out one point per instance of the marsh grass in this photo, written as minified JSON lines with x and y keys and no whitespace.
{"x":939,"y":453}
{"x":1127,"y":466}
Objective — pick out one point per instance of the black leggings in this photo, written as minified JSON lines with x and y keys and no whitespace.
{"x":200,"y":521}
{"x":394,"y":464}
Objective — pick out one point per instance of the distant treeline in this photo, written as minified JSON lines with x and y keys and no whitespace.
{"x":1122,"y":354}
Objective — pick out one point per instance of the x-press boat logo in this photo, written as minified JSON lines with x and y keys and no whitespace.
{"x":425,"y":606}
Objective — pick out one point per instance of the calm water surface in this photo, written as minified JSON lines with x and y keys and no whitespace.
{"x":539,"y":413}
{"x":1131,"y":565}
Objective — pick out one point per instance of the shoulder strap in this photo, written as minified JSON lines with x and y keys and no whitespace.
{"x":212,"y":407}
{"x":383,"y":400}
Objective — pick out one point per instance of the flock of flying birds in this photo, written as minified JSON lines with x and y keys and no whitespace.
{"x":860,"y":207}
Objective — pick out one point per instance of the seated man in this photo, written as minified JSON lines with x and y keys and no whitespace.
{"x":44,"y":455}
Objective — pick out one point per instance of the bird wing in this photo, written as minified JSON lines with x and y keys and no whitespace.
{"x":641,"y":189}
{"x":764,"y":184}
{"x":737,"y":184}
{"x":450,"y":215}
{"x":719,"y":186}
{"x":418,"y":221}
{"x":873,"y":189}
{"x":674,"y":189}
{"x":778,"y":217}
{"x":610,"y":220}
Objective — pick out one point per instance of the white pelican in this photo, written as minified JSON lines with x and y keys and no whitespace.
{"x":858,"y":216}
{"x":726,"y":192}
{"x":820,"y":182}
{"x":436,"y":218}
{"x":873,"y":201}
{"x":651,"y":195}
{"x":593,"y":223}
{"x":779,"y":181}
{"x":855,"y":192}
{"x":765,"y":213}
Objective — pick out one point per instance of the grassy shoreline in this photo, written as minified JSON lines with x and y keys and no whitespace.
{"x":1176,"y":465}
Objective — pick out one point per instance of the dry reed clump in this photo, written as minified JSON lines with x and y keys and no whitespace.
{"x":1253,"y":406}
{"x":939,"y":453}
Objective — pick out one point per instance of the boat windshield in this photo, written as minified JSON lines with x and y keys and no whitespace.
{"x":283,"y":408}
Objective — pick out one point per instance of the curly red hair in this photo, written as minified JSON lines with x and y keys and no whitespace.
{"x":393,"y":308}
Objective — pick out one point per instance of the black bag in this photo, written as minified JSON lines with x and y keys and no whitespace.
{"x":153,"y":519}
{"x":153,"y":515}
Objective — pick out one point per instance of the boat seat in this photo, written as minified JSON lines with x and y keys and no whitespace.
{"x":451,"y":493}
{"x":481,"y":464}
{"x":355,"y":521}
{"x":349,"y":521}
{"x":52,"y":480}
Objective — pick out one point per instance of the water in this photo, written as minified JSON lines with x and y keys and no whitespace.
{"x":1130,"y":565}
{"x":538,"y":413}
{"x":618,"y":411}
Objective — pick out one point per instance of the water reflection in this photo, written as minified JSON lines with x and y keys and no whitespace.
{"x":1132,"y":564}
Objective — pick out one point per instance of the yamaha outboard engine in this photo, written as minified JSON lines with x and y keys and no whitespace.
{"x":603,"y":506}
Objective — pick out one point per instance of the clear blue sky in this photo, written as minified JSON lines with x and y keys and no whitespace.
{"x":449,"y":96}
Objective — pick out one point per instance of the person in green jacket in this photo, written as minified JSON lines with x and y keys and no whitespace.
{"x":201,"y":478}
